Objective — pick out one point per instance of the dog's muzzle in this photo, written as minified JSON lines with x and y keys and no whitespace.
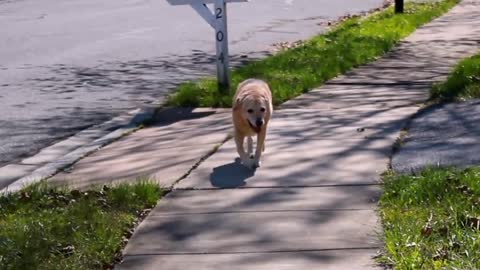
{"x":258,"y":127}
{"x":259,"y":123}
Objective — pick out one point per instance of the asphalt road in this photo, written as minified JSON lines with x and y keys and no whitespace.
{"x":66,"y":65}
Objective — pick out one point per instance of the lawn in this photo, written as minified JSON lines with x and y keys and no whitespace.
{"x":432,"y":220}
{"x":45,"y":228}
{"x":351,"y":43}
{"x":462,"y":84}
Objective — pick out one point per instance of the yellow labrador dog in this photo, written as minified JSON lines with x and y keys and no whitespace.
{"x":252,"y":109}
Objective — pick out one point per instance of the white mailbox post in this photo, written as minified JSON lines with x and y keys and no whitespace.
{"x":218,"y":20}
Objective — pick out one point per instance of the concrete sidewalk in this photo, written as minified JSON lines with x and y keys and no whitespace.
{"x":312,"y":203}
{"x":165,"y":151}
{"x":445,"y":135}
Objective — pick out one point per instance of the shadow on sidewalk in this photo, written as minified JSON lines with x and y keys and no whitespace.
{"x":231,"y":175}
{"x":173,"y":115}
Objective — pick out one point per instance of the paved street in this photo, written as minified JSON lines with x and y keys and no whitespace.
{"x":67,"y":65}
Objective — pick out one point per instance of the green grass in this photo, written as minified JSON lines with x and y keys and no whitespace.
{"x":432,"y":221}
{"x":290,"y":73}
{"x":42,"y":228}
{"x":462,"y":84}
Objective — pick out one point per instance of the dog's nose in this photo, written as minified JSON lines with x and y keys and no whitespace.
{"x":259,"y":122}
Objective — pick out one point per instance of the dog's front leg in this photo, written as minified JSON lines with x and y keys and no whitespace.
{"x":250,"y":146}
{"x":239,"y":139}
{"x":260,"y":146}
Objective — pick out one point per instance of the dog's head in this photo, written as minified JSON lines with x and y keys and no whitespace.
{"x":254,"y":109}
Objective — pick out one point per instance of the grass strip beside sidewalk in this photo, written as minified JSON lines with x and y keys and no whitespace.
{"x":45,"y":228}
{"x":462,"y":84}
{"x":432,"y":220}
{"x":351,"y":43}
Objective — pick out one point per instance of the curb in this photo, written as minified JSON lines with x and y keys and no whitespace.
{"x":47,"y":167}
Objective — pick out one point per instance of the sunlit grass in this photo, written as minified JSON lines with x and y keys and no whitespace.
{"x":432,"y":221}
{"x":44,"y":228}
{"x":462,"y":84}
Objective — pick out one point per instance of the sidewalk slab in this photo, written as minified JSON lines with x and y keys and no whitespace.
{"x":252,"y":232}
{"x":258,"y":229}
{"x":259,"y":220}
{"x":268,"y":199}
{"x":338,"y":94}
{"x":164,"y":166}
{"x":440,"y":136}
{"x":310,"y":147}
{"x":341,"y":124}
{"x":298,"y":163}
{"x":323,"y":259}
{"x":163,"y":152}
{"x":154,"y":152}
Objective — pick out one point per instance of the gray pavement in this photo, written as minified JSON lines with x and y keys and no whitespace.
{"x":303,"y":142}
{"x":312,"y":203}
{"x":443,"y":135}
{"x":68,"y":65}
{"x":165,"y":151}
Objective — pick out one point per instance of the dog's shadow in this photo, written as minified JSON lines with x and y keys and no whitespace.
{"x":231,"y":175}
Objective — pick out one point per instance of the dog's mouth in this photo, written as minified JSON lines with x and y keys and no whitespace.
{"x":255,"y":128}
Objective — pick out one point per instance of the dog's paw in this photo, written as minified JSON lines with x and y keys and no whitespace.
{"x":256,"y":164}
{"x":247,"y":162}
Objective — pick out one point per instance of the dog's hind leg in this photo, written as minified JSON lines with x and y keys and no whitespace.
{"x":250,"y":146}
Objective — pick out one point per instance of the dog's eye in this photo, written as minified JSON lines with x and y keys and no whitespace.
{"x":250,"y":111}
{"x":262,"y":109}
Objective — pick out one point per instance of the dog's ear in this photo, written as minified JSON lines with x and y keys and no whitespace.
{"x":236,"y":104}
